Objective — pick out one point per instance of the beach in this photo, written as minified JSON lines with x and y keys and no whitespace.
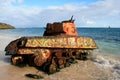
{"x":98,"y":67}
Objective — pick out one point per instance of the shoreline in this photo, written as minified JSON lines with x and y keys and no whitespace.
{"x":99,"y":67}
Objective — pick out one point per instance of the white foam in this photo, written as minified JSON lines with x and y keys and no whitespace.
{"x":5,"y":40}
{"x":108,"y":62}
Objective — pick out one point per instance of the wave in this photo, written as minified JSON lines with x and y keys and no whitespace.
{"x":5,"y":40}
{"x":108,"y":63}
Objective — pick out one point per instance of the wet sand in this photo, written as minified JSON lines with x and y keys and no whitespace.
{"x":83,"y":70}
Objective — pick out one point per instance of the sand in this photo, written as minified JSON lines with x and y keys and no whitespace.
{"x":83,"y":70}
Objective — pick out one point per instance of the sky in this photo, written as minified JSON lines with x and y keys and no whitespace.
{"x":37,"y":13}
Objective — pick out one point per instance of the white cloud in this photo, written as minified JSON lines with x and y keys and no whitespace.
{"x":99,"y":13}
{"x":19,"y":16}
{"x":90,"y":22}
{"x":9,"y":2}
{"x":64,"y":7}
{"x":20,"y":1}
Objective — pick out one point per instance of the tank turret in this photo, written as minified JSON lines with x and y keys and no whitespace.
{"x":64,"y":28}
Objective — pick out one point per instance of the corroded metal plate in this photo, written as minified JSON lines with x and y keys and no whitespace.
{"x":61,"y":42}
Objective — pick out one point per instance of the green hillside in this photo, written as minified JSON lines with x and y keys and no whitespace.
{"x":6,"y":26}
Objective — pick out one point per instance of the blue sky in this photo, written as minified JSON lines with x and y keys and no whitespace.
{"x":37,"y":13}
{"x":44,"y":3}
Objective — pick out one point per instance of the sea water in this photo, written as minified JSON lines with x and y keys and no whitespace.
{"x":107,"y":39}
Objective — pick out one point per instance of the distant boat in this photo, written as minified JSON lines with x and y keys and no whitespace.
{"x":109,"y":27}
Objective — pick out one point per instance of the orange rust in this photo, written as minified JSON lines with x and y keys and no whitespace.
{"x":69,"y":29}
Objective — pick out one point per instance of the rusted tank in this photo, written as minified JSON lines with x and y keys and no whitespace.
{"x":58,"y":48}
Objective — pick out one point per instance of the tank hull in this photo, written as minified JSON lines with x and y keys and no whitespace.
{"x":28,"y":45}
{"x":53,"y":52}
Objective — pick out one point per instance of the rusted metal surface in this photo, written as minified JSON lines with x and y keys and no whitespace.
{"x":63,"y":28}
{"x":61,"y":42}
{"x":12,"y":45}
{"x":70,"y":29}
{"x":41,"y":56}
{"x":31,"y":45}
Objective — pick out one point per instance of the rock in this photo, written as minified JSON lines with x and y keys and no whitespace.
{"x":6,"y":26}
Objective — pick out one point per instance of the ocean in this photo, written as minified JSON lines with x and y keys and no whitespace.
{"x":107,"y":57}
{"x":108,"y":40}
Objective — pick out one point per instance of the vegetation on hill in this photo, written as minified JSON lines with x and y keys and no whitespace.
{"x":6,"y":26}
